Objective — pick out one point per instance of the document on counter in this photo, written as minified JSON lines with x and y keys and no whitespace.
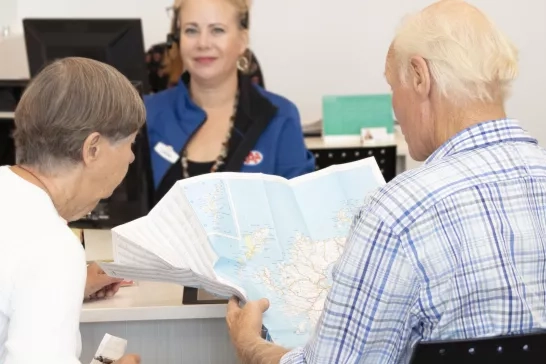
{"x":251,"y":235}
{"x":110,"y":349}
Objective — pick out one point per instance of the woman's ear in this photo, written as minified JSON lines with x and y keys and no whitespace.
{"x":91,"y":148}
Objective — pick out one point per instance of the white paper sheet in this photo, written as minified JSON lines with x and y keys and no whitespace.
{"x":110,"y":349}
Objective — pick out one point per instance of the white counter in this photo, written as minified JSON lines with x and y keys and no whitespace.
{"x":151,"y":317}
{"x":143,"y":301}
{"x":147,"y":301}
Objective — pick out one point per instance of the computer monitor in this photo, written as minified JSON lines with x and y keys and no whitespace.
{"x":117,"y":42}
{"x":10,"y":94}
{"x":7,"y":147}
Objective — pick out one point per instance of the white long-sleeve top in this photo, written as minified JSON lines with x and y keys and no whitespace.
{"x":42,"y":278}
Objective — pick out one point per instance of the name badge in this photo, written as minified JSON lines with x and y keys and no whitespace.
{"x":166,"y":152}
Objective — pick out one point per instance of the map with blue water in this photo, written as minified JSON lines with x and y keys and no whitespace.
{"x":280,"y":239}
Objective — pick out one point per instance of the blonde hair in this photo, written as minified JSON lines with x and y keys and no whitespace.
{"x":469,"y":58}
{"x":66,"y":102}
{"x":242,"y":6}
{"x":172,"y":60}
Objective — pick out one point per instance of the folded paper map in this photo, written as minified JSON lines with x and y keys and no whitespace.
{"x":253,"y":236}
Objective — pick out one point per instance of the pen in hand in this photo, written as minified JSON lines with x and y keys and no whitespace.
{"x":103,"y":360}
{"x":126,"y":359}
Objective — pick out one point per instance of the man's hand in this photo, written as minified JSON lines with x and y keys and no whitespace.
{"x":128,"y":359}
{"x":99,"y":284}
{"x":245,"y":323}
{"x":245,"y":329}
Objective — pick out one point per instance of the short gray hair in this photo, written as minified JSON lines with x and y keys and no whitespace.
{"x":66,"y":102}
{"x":469,"y":57}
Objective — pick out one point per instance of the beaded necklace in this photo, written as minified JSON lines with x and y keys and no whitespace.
{"x":225,"y":146}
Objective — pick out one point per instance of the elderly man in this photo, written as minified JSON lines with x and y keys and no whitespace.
{"x":454,"y":249}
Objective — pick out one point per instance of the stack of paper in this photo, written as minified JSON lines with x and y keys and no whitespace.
{"x":253,"y":236}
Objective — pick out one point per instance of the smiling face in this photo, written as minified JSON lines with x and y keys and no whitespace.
{"x":211,"y":39}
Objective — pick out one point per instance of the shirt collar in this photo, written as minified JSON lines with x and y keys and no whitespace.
{"x":251,"y":101}
{"x":482,"y":135}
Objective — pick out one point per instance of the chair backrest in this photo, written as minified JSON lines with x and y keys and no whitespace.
{"x":518,"y":349}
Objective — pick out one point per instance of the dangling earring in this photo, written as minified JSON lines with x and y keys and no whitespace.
{"x":243,"y":64}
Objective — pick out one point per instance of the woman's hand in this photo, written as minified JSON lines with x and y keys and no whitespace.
{"x":99,"y":284}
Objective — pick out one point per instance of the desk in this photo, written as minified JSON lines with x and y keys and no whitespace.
{"x":404,"y":161}
{"x":152,"y":318}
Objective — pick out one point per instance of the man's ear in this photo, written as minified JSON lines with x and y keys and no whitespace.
{"x":420,"y":76}
{"x":91,"y":148}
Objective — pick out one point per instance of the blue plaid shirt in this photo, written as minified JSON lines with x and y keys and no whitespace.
{"x":454,"y":249}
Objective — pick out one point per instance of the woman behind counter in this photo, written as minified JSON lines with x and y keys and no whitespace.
{"x":216,"y":119}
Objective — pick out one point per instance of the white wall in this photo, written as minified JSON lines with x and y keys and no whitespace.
{"x":309,"y":48}
{"x":153,"y":12}
{"x":8,"y":13}
{"x":312,"y":47}
{"x":13,"y":61}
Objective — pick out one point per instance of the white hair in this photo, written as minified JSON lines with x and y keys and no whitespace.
{"x":469,"y":58}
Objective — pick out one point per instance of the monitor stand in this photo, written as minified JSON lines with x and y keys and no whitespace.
{"x":195,"y":296}
{"x":198,"y":296}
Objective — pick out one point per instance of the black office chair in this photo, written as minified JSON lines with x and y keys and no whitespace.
{"x":515,"y":349}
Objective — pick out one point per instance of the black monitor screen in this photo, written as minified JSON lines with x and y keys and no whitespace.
{"x":10,"y":94}
{"x":117,"y":42}
{"x":7,"y":147}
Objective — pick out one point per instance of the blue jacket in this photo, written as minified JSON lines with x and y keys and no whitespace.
{"x":267,"y":136}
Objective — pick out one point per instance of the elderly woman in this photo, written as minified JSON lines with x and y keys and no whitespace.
{"x":74,"y":127}
{"x":216,"y":118}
